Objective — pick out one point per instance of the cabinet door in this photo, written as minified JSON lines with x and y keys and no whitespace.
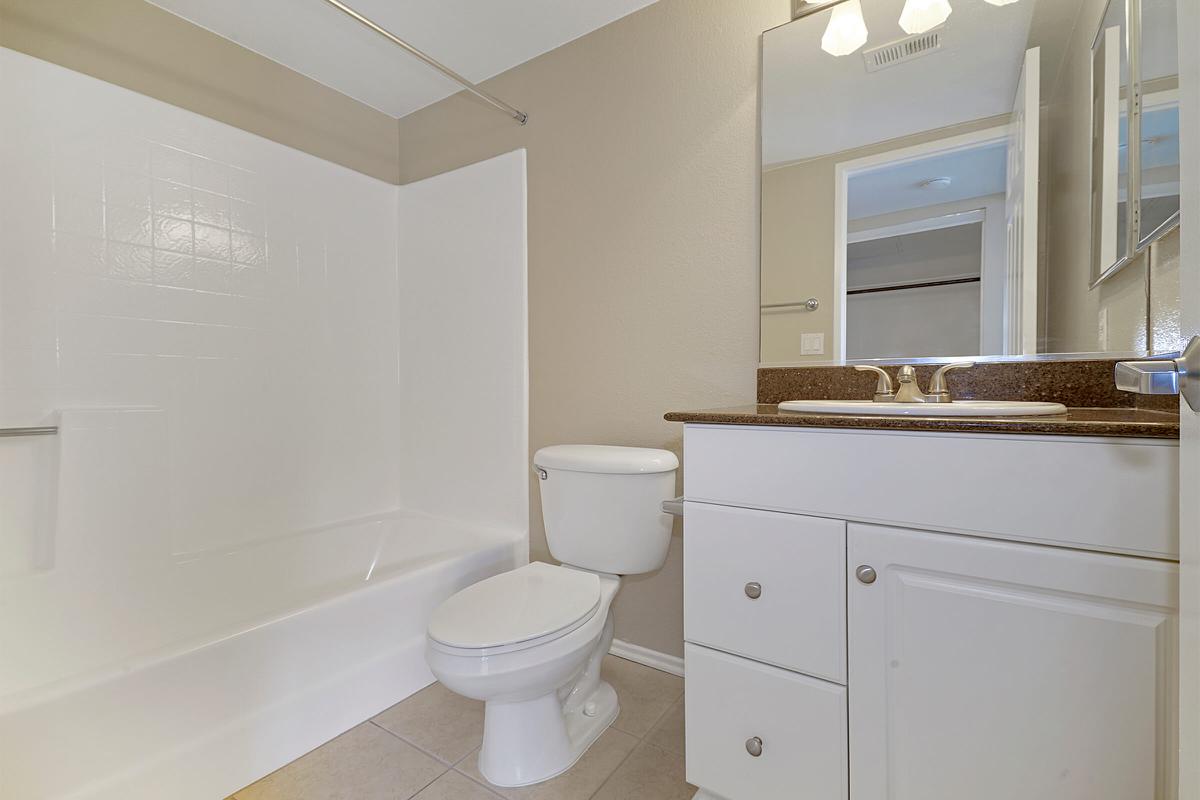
{"x":994,"y":671}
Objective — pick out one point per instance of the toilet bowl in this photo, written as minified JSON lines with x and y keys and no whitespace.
{"x":529,"y":643}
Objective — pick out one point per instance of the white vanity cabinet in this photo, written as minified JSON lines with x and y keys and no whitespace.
{"x":834,"y":653}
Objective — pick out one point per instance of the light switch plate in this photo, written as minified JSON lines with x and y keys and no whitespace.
{"x":812,"y":344}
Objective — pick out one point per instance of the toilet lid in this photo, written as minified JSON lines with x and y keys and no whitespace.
{"x":530,"y":602}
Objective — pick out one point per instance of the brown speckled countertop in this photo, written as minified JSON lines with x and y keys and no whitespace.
{"x":1131,"y":422}
{"x":1086,"y":387}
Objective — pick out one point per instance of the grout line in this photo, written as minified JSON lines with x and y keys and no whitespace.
{"x":448,"y":764}
{"x":426,"y":786}
{"x":617,"y":768}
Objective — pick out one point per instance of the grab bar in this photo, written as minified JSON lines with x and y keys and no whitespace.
{"x":674,"y":507}
{"x":45,"y":431}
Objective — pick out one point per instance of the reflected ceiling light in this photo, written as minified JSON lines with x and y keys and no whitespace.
{"x":919,"y":16}
{"x":936,"y":183}
{"x":847,"y":31}
{"x":1000,"y":2}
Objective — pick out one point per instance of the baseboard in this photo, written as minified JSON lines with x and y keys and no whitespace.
{"x":644,"y":655}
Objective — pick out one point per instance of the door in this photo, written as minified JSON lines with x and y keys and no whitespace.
{"x":1189,"y":445}
{"x":996,"y":670}
{"x":1021,"y":210}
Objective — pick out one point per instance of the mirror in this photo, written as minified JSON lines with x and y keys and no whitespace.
{"x":951,"y":178}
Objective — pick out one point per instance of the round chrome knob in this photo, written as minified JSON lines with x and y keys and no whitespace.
{"x":754,"y":746}
{"x":865,"y":574}
{"x":753,"y":590}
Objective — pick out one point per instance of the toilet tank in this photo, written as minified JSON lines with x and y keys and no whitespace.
{"x":602,"y":505}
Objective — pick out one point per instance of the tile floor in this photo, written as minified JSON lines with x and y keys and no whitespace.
{"x":425,"y":747}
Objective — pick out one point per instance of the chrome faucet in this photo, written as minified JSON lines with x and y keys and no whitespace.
{"x":909,"y":390}
{"x":883,"y":387}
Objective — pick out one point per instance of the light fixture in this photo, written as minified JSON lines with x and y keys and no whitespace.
{"x":846,"y":31}
{"x":1000,"y":2}
{"x":919,"y":16}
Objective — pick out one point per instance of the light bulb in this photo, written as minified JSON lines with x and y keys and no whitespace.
{"x":1000,"y":2}
{"x":919,"y":16}
{"x":846,"y":31}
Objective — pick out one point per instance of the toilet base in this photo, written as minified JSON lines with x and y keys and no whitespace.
{"x":532,"y":741}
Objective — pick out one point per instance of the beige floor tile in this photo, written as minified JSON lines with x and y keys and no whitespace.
{"x":438,"y":721}
{"x":668,"y":733}
{"x":365,"y":763}
{"x":651,"y":773}
{"x":580,"y":781}
{"x":645,"y":694}
{"x":453,"y":786}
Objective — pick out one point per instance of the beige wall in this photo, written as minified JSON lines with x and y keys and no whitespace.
{"x":797,"y":242}
{"x":141,"y":47}
{"x":643,"y":234}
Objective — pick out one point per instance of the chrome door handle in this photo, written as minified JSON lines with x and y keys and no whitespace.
{"x":1165,"y":375}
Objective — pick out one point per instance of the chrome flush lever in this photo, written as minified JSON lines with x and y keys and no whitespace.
{"x":1164,"y":376}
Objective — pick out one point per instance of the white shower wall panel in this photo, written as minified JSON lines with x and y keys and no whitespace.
{"x":155,"y":258}
{"x":464,"y":358}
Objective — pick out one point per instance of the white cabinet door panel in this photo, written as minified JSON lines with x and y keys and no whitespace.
{"x":797,"y":564}
{"x":995,"y":670}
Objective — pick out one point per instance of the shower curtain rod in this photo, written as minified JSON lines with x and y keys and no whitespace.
{"x":517,"y":114}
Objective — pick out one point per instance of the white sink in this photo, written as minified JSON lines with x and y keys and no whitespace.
{"x":958,"y":408}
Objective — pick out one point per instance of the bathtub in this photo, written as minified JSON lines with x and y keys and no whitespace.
{"x":219,"y":668}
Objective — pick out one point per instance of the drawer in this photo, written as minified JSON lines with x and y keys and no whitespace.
{"x":798,"y":619}
{"x":800,"y":721}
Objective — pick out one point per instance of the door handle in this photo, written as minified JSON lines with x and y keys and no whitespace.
{"x":1164,"y":376}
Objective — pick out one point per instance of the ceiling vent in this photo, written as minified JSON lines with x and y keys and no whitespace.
{"x":906,"y":49}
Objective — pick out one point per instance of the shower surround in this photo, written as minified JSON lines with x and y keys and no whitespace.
{"x":260,"y":365}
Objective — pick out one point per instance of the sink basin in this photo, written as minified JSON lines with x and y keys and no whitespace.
{"x":959,"y":408}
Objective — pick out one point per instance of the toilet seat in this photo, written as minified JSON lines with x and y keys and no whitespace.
{"x":531,"y":605}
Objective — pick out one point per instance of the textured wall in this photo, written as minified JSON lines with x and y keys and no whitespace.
{"x":643,"y":234}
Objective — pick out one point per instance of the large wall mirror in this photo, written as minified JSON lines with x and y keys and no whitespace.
{"x":950,"y":178}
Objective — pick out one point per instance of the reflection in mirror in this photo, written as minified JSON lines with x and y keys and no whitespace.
{"x":1159,"y":130}
{"x":942,"y":185}
{"x":1110,"y":138}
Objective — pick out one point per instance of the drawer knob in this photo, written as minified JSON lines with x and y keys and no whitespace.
{"x":865,"y":574}
{"x":753,"y":590}
{"x":754,"y":746}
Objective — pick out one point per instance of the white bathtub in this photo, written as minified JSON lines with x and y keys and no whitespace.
{"x":222,"y":668}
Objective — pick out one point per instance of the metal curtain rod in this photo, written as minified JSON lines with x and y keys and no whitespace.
{"x":517,"y":114}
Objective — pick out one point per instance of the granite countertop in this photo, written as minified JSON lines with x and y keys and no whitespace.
{"x":1131,"y":422}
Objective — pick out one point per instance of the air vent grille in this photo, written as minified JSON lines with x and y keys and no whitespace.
{"x":901,"y":50}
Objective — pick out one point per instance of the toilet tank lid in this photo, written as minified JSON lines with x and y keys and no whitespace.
{"x":605,"y":458}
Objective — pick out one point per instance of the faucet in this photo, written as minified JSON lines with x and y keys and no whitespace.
{"x":910,"y":390}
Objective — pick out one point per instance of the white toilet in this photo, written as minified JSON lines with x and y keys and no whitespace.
{"x":529,"y":642}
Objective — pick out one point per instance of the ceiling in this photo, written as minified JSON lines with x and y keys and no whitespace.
{"x":474,"y":38}
{"x":815,"y":104}
{"x":976,"y":172}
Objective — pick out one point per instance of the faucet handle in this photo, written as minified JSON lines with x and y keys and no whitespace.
{"x":883,"y":387}
{"x":938,"y":386}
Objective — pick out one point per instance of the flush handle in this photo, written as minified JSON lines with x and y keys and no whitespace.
{"x":753,"y":590}
{"x":1164,"y":376}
